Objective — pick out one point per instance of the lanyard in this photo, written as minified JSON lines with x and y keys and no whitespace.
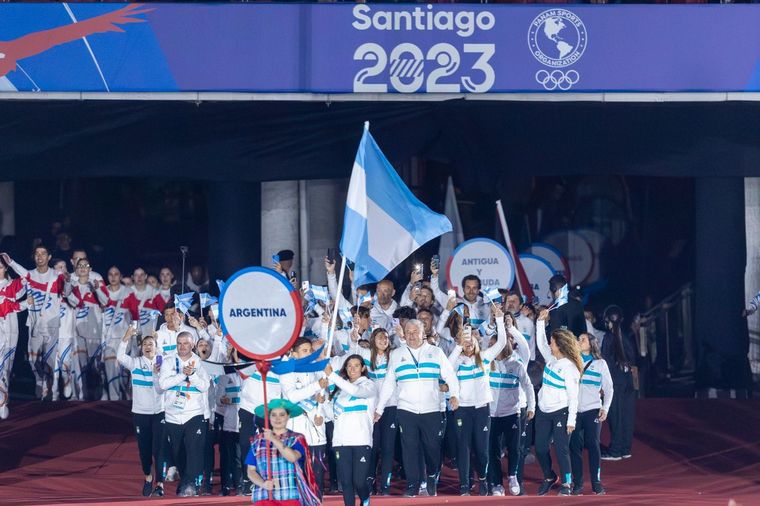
{"x":416,"y":362}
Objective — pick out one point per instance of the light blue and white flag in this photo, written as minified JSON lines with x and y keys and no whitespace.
{"x":183,"y":302}
{"x":492,"y":294}
{"x":345,"y":315}
{"x":486,"y":330}
{"x":383,"y":222}
{"x":320,"y":293}
{"x":564,"y":293}
{"x":361,"y":299}
{"x":207,"y":300}
{"x":220,"y":284}
{"x":459,"y":309}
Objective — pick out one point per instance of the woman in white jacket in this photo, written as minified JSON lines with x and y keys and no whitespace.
{"x":594,"y":402}
{"x":512,"y":392}
{"x":353,"y":407}
{"x":384,"y":433}
{"x":147,"y":408}
{"x":473,"y":420}
{"x":557,"y":402}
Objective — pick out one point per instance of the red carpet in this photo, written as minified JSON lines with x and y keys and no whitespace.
{"x":686,"y":452}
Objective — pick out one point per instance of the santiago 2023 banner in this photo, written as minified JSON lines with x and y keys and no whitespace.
{"x":347,"y":48}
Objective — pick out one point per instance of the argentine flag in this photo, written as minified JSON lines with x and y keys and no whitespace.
{"x":384,"y":222}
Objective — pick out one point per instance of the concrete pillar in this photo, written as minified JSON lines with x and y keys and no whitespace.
{"x":279,"y":220}
{"x":326,"y":200}
{"x":752,"y":274}
{"x":720,"y":251}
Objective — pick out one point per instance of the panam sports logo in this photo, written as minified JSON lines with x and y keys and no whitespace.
{"x":557,"y":38}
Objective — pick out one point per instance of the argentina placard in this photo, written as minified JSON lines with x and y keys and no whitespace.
{"x":260,"y":312}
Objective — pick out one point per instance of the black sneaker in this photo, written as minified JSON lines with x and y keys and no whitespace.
{"x":464,"y":490}
{"x":565,"y":490}
{"x":547,"y":485}
{"x":158,"y":491}
{"x":225,"y":491}
{"x":483,"y":488}
{"x":431,"y":485}
{"x":147,"y":488}
{"x":577,"y":489}
{"x":609,"y":456}
{"x":598,"y":489}
{"x":411,"y":490}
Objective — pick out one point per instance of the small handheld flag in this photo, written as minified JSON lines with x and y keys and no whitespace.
{"x":183,"y":302}
{"x":207,"y":300}
{"x":486,"y":330}
{"x":459,"y":309}
{"x":345,"y":315}
{"x":492,"y":294}
{"x":564,"y":293}
{"x":361,"y":299}
{"x":220,"y":284}
{"x":320,"y":293}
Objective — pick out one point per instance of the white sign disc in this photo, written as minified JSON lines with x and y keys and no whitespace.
{"x":260,"y":311}
{"x":552,"y":255}
{"x":578,"y":252}
{"x":486,"y":259}
{"x":597,"y":242}
{"x":538,"y":271}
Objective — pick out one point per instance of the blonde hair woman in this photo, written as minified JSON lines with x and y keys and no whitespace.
{"x":557,"y":402}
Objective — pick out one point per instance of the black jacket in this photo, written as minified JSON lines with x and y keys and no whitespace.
{"x":569,"y":316}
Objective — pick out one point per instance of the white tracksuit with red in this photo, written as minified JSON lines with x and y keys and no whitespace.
{"x":67,"y":357}
{"x":116,"y":319}
{"x":46,"y":289}
{"x":11,"y":303}
{"x":140,"y":304}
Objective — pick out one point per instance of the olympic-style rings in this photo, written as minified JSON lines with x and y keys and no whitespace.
{"x":557,"y":79}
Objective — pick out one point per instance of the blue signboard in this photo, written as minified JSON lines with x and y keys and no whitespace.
{"x":375,"y":48}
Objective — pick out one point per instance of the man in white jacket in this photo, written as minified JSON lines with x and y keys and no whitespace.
{"x":414,"y":371}
{"x":185,"y":384}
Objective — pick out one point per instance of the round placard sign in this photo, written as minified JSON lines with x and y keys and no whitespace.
{"x":552,"y":255}
{"x":539,"y":272}
{"x":260,"y":312}
{"x":485,"y":258}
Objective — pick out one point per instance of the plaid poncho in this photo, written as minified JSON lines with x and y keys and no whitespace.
{"x":295,"y":481}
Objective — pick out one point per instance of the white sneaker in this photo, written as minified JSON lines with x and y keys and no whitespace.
{"x":171,"y":474}
{"x":4,"y":412}
{"x":423,"y":490}
{"x":514,"y":486}
{"x":67,"y":391}
{"x":497,"y":490}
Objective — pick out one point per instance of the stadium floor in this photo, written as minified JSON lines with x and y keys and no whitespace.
{"x":686,"y":452}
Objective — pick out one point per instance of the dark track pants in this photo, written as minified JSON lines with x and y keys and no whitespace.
{"x":550,"y":426}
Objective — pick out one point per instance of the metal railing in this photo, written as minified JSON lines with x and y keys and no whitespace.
{"x":665,"y":333}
